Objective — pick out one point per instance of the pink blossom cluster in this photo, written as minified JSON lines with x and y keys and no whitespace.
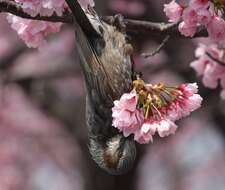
{"x":48,"y":7}
{"x":197,"y":13}
{"x":42,"y":7}
{"x":129,"y":118}
{"x":34,"y":32}
{"x":211,"y":71}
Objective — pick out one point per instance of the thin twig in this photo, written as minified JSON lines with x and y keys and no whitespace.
{"x":158,"y":49}
{"x":156,"y":28}
{"x":214,"y":59}
{"x":142,"y":26}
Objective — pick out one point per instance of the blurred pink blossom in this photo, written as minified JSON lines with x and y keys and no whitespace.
{"x":216,"y":29}
{"x":8,"y":39}
{"x":211,"y":71}
{"x":173,"y":11}
{"x":85,"y":3}
{"x":204,"y":16}
{"x":190,"y":16}
{"x":32,"y":145}
{"x":187,"y":30}
{"x":199,"y":4}
{"x":181,"y":162}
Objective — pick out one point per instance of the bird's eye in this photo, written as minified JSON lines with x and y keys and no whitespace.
{"x":101,"y":29}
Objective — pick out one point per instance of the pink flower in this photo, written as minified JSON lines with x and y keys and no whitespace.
{"x":202,"y":12}
{"x":206,"y":66}
{"x":189,"y":89}
{"x":85,"y":3}
{"x":211,"y":71}
{"x":199,"y":4}
{"x":200,"y":50}
{"x":210,"y":78}
{"x":200,"y":64}
{"x":43,"y":7}
{"x":186,"y":102}
{"x":166,"y":127}
{"x":166,"y":106}
{"x":173,"y":11}
{"x":186,"y":29}
{"x":128,"y":101}
{"x":204,"y":16}
{"x":216,"y":29}
{"x":33,"y":32}
{"x":146,"y":132}
{"x":190,"y":17}
{"x":48,"y":7}
{"x":126,"y":117}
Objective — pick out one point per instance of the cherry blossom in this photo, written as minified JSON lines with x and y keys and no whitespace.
{"x":199,"y":4}
{"x":34,"y":32}
{"x":204,"y":17}
{"x":198,"y":13}
{"x":216,"y":29}
{"x":146,"y":132}
{"x":154,"y":108}
{"x":212,"y":72}
{"x":190,"y":16}
{"x":126,"y":117}
{"x":173,"y":11}
{"x":187,"y":30}
{"x":42,"y":7}
{"x":166,"y":127}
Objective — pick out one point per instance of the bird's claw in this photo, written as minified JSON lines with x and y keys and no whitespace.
{"x":118,"y":21}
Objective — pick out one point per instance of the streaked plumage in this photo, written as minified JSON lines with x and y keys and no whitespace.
{"x":107,"y":67}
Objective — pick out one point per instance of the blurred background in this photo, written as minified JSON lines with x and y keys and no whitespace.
{"x":43,"y":138}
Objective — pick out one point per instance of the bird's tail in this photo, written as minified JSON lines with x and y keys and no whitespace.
{"x":81,"y":17}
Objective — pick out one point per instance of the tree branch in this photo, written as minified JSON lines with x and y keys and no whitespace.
{"x":15,"y":9}
{"x":158,"y":49}
{"x":132,"y":26}
{"x":216,"y":60}
{"x":155,"y":28}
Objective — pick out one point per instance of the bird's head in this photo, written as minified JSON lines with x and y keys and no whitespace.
{"x":115,"y":155}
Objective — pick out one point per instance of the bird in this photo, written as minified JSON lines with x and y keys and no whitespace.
{"x":106,"y":62}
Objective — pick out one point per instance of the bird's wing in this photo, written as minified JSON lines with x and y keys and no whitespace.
{"x":81,"y":17}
